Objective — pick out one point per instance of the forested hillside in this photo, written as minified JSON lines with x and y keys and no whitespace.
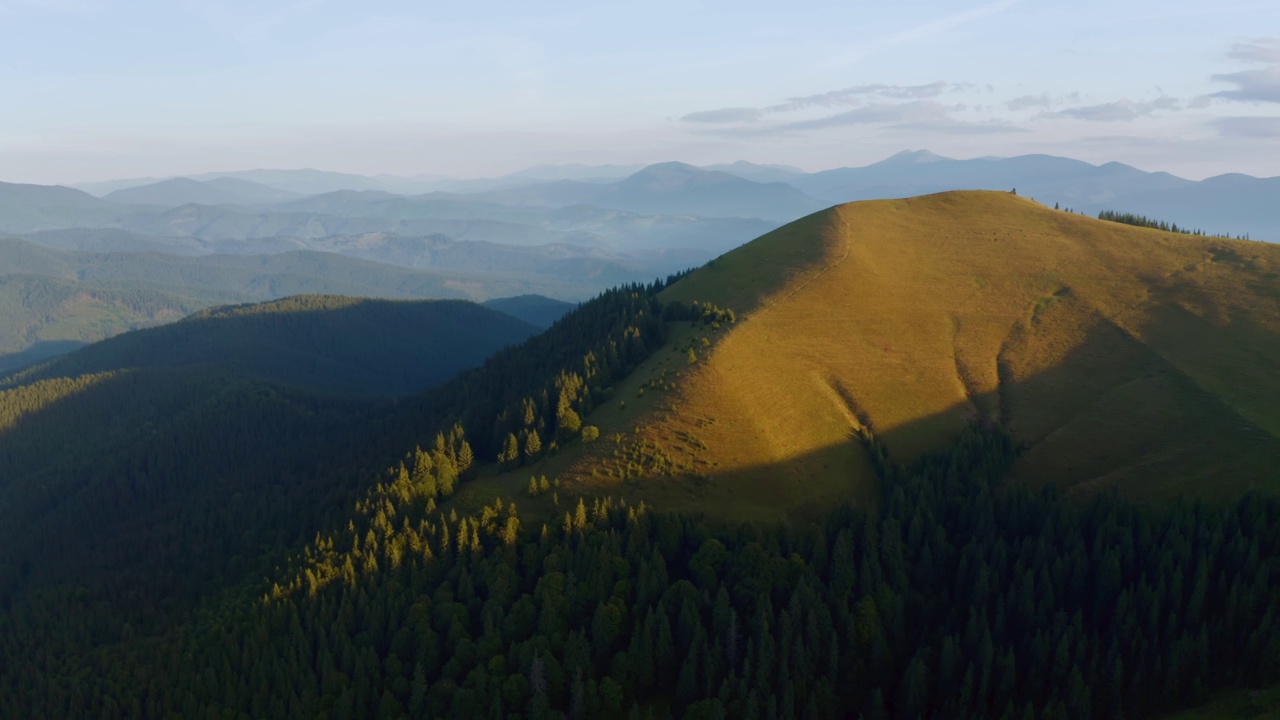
{"x":38,"y":312}
{"x":566,"y":531}
{"x":212,"y":479}
{"x":322,"y":343}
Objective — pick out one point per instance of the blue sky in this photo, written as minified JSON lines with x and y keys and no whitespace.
{"x":96,"y":89}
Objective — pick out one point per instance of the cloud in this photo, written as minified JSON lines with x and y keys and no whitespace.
{"x":1122,"y":110}
{"x":726,"y":115}
{"x":1042,"y":100}
{"x":1252,"y":85}
{"x":1259,"y":50}
{"x":844,"y":97}
{"x":889,"y":107}
{"x":1029,"y":101}
{"x":913,"y":116}
{"x":1253,"y":128}
{"x":853,"y":95}
{"x":878,"y":114}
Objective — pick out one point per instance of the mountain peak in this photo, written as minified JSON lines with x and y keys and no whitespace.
{"x":671,"y":168}
{"x":912,"y":157}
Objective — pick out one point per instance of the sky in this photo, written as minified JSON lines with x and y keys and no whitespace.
{"x":100,"y":89}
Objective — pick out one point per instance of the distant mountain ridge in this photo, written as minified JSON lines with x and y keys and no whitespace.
{"x":1230,"y":203}
{"x":1235,"y":204}
{"x":185,"y":191}
{"x":51,"y":300}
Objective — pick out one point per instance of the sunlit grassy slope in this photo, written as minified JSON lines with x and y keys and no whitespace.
{"x":1119,"y":356}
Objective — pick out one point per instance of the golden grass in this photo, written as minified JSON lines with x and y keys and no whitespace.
{"x":1119,"y":355}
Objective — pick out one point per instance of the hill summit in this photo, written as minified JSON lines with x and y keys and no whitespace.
{"x":1116,"y":356}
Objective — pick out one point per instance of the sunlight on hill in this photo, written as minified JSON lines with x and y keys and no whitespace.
{"x":1118,"y":355}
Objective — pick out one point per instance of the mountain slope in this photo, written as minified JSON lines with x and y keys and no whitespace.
{"x":678,"y":189}
{"x":58,"y":299}
{"x":29,"y":208}
{"x":1119,"y":356}
{"x":217,"y":191}
{"x":537,"y":310}
{"x":51,"y":314}
{"x":321,"y":343}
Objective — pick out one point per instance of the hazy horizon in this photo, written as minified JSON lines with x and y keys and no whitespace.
{"x":214,"y":171}
{"x":102,"y":90}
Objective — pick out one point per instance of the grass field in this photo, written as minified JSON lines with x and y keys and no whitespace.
{"x":1119,"y":356}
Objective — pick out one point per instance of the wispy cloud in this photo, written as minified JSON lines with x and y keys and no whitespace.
{"x":844,"y":97}
{"x":1043,"y":100}
{"x":878,"y":114}
{"x":1265,"y":50}
{"x":1258,"y":85}
{"x":725,"y":116}
{"x":1122,"y":110}
{"x":916,"y":115}
{"x":1252,"y":85}
{"x":854,"y":95}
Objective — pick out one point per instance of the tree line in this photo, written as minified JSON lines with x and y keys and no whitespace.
{"x":1146,"y":222}
{"x":956,"y":598}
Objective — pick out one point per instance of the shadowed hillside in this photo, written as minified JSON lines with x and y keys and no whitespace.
{"x":323,"y":343}
{"x":537,"y":310}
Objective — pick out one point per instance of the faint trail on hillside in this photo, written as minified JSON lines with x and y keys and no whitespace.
{"x":848,"y":249}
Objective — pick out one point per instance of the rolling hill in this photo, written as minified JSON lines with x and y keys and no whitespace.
{"x":30,"y":208}
{"x":315,"y":342}
{"x":180,"y":191}
{"x":283,"y":402}
{"x":56,"y":299}
{"x":537,"y":310}
{"x":672,"y":188}
{"x":1231,"y":204}
{"x":43,"y":316}
{"x":1118,"y":356}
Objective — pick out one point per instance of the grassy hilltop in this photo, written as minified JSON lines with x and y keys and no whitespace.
{"x":1119,"y":356}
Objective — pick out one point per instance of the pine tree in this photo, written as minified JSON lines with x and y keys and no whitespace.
{"x":509,"y":458}
{"x":532,"y":446}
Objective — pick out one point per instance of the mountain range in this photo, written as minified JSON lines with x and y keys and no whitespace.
{"x":1235,"y":204}
{"x":560,"y":231}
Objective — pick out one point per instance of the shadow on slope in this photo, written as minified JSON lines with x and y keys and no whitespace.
{"x":184,"y":465}
{"x":39,"y":352}
{"x":1138,"y":425}
{"x":323,"y":343}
